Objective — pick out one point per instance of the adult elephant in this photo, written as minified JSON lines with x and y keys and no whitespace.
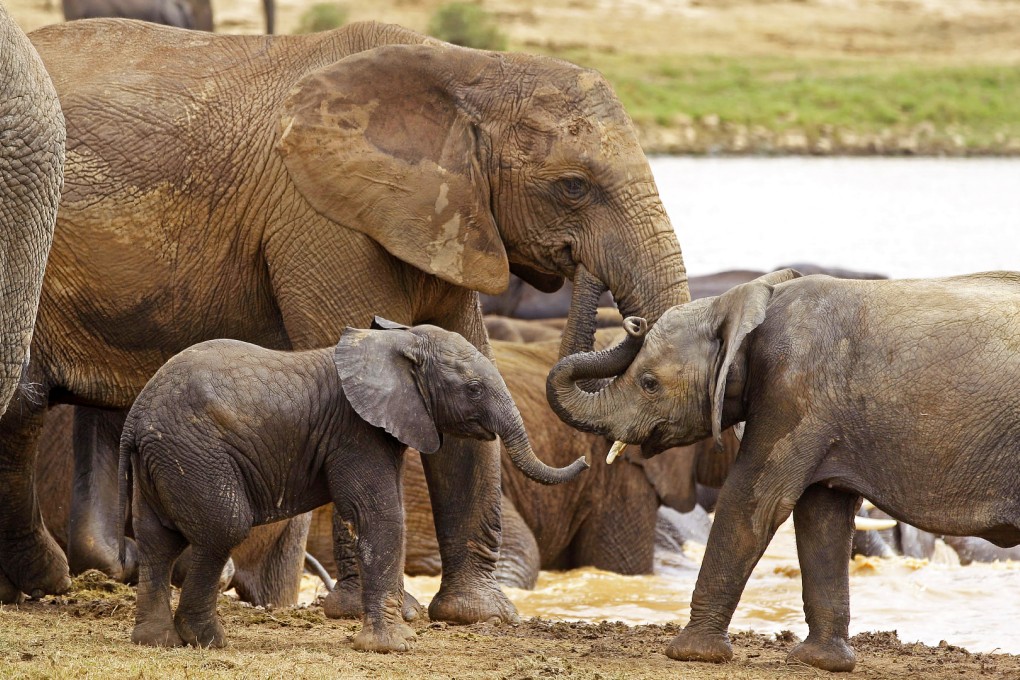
{"x":275,"y":191}
{"x":193,"y":14}
{"x":31,"y":167}
{"x":605,"y":519}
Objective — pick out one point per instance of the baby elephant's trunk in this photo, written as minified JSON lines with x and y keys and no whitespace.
{"x":524,"y":459}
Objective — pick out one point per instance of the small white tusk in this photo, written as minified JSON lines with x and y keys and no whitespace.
{"x":867,"y":505}
{"x":738,"y":430}
{"x":614,"y":451}
{"x":869,"y":524}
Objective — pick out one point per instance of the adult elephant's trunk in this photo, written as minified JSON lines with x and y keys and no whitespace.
{"x":515,"y":439}
{"x":586,"y":411}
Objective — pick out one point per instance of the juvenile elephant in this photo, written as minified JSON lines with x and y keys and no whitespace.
{"x":228,"y":435}
{"x":903,"y":392}
{"x":278,"y":190}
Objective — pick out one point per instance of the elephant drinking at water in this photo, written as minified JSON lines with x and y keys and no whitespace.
{"x":903,"y":392}
{"x":277,"y":190}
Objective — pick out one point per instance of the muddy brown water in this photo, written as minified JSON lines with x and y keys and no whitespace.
{"x":923,"y":600}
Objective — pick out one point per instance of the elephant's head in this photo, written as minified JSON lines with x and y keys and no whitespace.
{"x":684,"y":379}
{"x":469,"y":164}
{"x":419,"y":382}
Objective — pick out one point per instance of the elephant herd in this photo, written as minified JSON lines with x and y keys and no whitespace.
{"x":229,"y":206}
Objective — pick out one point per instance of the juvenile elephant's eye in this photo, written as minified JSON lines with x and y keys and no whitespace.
{"x":574,"y":188}
{"x":474,"y":389}
{"x":649,"y":383}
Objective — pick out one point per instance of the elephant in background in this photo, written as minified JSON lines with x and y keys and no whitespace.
{"x":902,"y":392}
{"x":192,"y":14}
{"x":521,"y":301}
{"x":32,"y":139}
{"x":368,"y":172}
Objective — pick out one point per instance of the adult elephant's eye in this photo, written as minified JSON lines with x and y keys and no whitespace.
{"x":649,"y":383}
{"x":574,"y":188}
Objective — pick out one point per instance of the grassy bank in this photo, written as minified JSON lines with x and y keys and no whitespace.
{"x":774,"y":104}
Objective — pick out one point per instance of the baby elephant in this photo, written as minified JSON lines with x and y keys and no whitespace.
{"x":904,"y":392}
{"x":228,"y":435}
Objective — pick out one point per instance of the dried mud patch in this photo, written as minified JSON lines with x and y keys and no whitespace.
{"x":85,"y":633}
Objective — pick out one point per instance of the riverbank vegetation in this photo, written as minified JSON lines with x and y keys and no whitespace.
{"x":774,"y":104}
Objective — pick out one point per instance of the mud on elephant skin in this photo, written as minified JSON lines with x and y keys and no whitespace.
{"x":278,"y":190}
{"x":228,"y":435}
{"x":902,"y":392}
{"x":606,"y":519}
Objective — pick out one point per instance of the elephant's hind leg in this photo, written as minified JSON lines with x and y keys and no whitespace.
{"x":196,"y":620}
{"x":30,"y":559}
{"x":158,"y":547}
{"x":823,"y":519}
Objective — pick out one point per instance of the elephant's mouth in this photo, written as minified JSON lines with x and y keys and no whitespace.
{"x":655,"y":443}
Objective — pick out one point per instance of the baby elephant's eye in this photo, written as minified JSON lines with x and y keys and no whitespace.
{"x":474,"y":389}
{"x":649,"y":383}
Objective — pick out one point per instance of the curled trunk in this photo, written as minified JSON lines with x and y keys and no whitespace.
{"x":587,"y":411}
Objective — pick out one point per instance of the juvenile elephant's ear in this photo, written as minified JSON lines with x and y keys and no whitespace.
{"x":378,"y":143}
{"x":739,"y":311}
{"x":377,"y":371}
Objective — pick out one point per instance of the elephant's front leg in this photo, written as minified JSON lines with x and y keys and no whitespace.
{"x":463,"y":478}
{"x":366,"y":489}
{"x":756,"y":499}
{"x":824,"y":522}
{"x":345,"y":601}
{"x":30,"y":559}
{"x":95,"y":524}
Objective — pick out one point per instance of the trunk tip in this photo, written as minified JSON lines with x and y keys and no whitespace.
{"x":635,"y":326}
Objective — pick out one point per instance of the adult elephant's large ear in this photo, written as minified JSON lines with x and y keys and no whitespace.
{"x":380,"y":143}
{"x":377,"y":369}
{"x":737,"y":312}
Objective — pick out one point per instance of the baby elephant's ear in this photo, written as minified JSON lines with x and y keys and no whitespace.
{"x":377,"y":369}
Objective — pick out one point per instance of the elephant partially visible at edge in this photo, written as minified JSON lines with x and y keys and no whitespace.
{"x":193,"y":14}
{"x":278,"y":190}
{"x":32,"y":148}
{"x":902,"y":392}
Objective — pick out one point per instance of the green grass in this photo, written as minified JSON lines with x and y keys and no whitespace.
{"x":978,"y":103}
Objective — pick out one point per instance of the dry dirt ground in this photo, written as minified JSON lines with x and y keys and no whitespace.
{"x":85,"y":634}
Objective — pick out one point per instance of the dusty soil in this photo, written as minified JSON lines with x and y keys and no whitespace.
{"x":86,"y":634}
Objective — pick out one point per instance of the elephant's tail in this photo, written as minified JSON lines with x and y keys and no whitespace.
{"x":127,"y":441}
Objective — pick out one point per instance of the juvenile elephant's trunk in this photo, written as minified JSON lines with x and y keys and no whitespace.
{"x":585,"y":411}
{"x":511,"y":431}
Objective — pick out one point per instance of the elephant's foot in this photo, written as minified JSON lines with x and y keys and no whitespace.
{"x":694,"y":646}
{"x":156,"y":634}
{"x":85,"y":555}
{"x":344,"y":602}
{"x":9,"y":593}
{"x":199,"y":632}
{"x":385,"y":637}
{"x":474,"y":603}
{"x":35,"y":564}
{"x":833,"y":655}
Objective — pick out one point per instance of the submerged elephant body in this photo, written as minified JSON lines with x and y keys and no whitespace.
{"x":228,"y":435}
{"x":278,"y":189}
{"x":902,"y":392}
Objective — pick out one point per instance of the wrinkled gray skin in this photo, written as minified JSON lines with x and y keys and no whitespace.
{"x":399,"y":176}
{"x":228,"y":435}
{"x":193,"y":14}
{"x":31,"y":171}
{"x":903,"y":392}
